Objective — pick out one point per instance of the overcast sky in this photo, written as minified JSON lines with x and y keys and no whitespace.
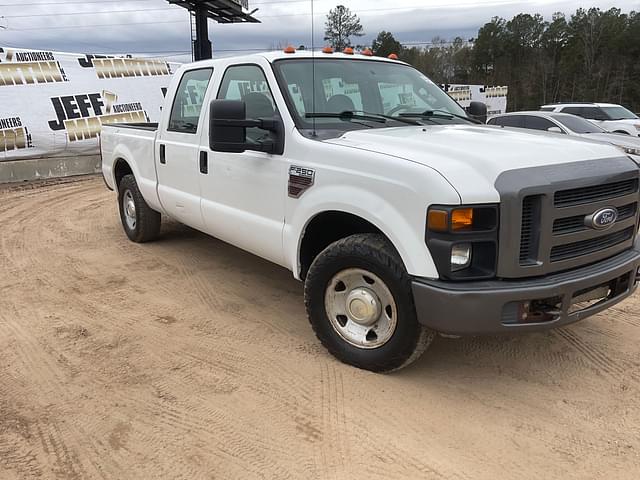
{"x":155,"y":28}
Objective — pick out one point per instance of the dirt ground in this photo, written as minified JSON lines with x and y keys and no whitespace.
{"x":187,"y":358}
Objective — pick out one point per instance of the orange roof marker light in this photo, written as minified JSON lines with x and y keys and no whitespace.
{"x":290,"y":49}
{"x":348,"y":51}
{"x":393,"y":56}
{"x":367,"y":52}
{"x":327,"y":50}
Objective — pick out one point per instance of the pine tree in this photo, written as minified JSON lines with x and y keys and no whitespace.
{"x":341,"y":24}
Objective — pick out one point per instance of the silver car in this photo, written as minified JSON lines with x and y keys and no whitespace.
{"x":566,"y":124}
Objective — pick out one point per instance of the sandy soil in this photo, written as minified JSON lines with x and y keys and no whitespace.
{"x":187,"y":358}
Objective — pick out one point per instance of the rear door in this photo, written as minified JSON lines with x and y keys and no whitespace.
{"x":178,"y":147}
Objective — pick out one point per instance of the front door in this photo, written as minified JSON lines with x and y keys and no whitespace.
{"x":243,"y":193}
{"x":177,"y":150}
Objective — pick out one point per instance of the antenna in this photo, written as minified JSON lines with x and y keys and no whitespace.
{"x":313,"y":73}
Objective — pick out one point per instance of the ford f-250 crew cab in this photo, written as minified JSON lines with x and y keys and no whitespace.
{"x":402,"y":216}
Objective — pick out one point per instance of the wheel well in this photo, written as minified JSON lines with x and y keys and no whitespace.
{"x":326,"y":228}
{"x":121,"y":169}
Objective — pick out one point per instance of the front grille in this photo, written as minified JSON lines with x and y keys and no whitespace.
{"x":528,"y":245}
{"x":595,"y":193}
{"x":546,"y":209}
{"x":563,"y":226}
{"x":585,"y":247}
{"x":554,"y":235}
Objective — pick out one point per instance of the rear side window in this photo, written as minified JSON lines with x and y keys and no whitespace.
{"x":594,"y":113}
{"x":538,"y":123}
{"x":187,"y":104}
{"x":509,"y":121}
{"x":579,"y":111}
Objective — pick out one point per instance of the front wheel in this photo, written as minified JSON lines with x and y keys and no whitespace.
{"x":140,"y":222}
{"x":359,"y":301}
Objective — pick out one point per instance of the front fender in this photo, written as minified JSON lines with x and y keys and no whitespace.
{"x":404,"y":229}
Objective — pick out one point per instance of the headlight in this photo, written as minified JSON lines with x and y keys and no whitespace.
{"x":463,"y":240}
{"x":460,"y":256}
{"x":629,"y":150}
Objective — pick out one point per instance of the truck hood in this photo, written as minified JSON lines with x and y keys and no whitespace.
{"x":471,"y":157}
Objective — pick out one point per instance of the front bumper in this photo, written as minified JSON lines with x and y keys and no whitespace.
{"x":492,"y":307}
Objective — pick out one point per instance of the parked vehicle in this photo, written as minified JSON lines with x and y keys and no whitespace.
{"x":613,"y":118}
{"x":402,"y":216}
{"x":567,"y":124}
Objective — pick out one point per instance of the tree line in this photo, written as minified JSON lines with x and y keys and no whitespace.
{"x":591,"y":56}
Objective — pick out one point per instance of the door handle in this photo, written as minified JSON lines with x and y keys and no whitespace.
{"x":163,"y":158}
{"x":204,"y":162}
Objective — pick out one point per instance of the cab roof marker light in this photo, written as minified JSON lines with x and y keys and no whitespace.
{"x":367,"y":52}
{"x":327,"y":50}
{"x":290,"y":49}
{"x":393,"y":56}
{"x":348,"y":51}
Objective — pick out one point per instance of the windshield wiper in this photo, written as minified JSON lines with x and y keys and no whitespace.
{"x":360,"y":115}
{"x":440,"y":114}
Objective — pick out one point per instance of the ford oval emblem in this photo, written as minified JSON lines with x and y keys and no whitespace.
{"x":602,"y":219}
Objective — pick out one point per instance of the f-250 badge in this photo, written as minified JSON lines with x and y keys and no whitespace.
{"x":300,"y":180}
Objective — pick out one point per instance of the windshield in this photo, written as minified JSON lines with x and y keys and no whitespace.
{"x":619,"y":113}
{"x":368,"y":87}
{"x":578,"y":124}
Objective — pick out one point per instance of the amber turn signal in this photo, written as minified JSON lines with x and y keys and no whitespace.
{"x":462,"y":219}
{"x":438,"y":221}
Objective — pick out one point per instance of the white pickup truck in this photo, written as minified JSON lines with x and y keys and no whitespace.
{"x":402,"y":215}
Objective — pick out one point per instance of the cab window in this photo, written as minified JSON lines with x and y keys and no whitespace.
{"x":188,"y":101}
{"x":249,"y":84}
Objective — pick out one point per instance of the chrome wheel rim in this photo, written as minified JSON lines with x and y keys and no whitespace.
{"x":129,"y":209}
{"x":361,"y":308}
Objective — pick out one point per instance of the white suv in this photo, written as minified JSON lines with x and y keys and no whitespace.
{"x":611,"y":117}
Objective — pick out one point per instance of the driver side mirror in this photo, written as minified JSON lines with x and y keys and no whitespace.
{"x":228,"y":125}
{"x":554,"y":130}
{"x":478,"y":111}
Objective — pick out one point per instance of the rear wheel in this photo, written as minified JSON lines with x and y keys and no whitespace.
{"x":140,"y":222}
{"x":359,"y":301}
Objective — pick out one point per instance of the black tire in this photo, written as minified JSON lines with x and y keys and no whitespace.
{"x":374,"y":254}
{"x":147,"y":221}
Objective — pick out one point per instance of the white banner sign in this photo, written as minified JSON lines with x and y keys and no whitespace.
{"x":494,"y":97}
{"x":54,"y":104}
